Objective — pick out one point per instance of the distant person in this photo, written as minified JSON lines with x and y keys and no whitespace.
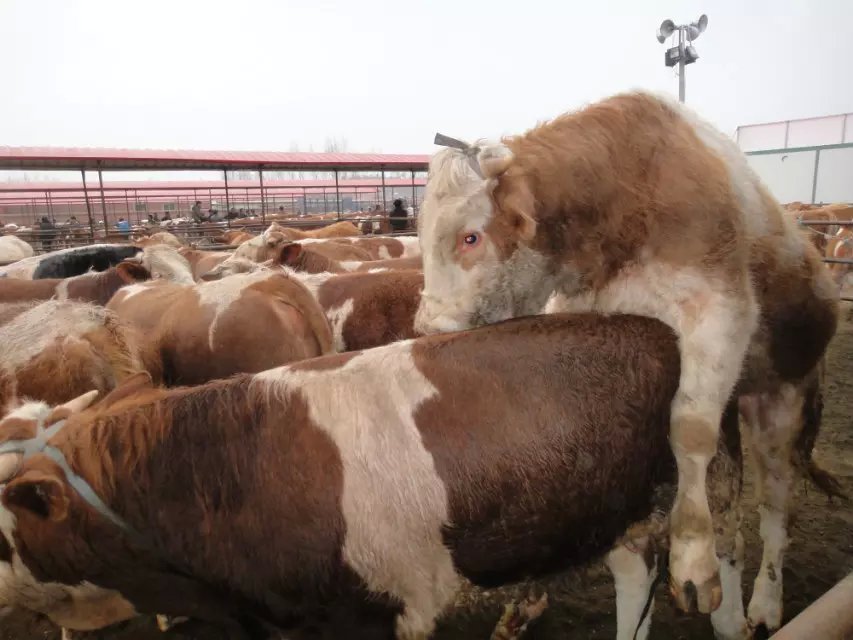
{"x":47,"y":232}
{"x":399,"y":217}
{"x":73,"y":222}
{"x":196,"y":212}
{"x":166,"y":216}
{"x":152,"y":218}
{"x":123,"y":227}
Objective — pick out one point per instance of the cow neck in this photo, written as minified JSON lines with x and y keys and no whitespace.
{"x":39,"y":444}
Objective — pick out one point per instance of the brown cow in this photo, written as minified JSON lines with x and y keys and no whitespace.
{"x":634,"y":205}
{"x":391,"y":488}
{"x":384,"y":248}
{"x":367,"y":310}
{"x":234,"y":237}
{"x":244,"y":323}
{"x":97,"y":287}
{"x":340,"y":229}
{"x":306,"y":257}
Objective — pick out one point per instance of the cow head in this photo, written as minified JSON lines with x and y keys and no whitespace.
{"x":475,"y":229}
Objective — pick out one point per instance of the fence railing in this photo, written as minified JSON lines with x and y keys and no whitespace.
{"x":815,"y":226}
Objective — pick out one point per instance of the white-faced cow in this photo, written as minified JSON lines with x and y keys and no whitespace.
{"x":634,"y":205}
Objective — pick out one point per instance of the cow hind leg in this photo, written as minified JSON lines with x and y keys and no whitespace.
{"x":725,"y":477}
{"x":713,"y":345}
{"x":634,"y":570}
{"x":773,"y":423}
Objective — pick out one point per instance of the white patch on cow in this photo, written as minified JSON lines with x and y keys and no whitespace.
{"x":378,"y":270}
{"x":394,"y":503}
{"x":383,"y":253}
{"x":337,"y":317}
{"x":729,"y":621}
{"x":411,"y":246}
{"x":127,"y":292}
{"x":633,"y":582}
{"x":219,"y":295}
{"x":84,"y":606}
{"x":312,"y":281}
{"x":32,"y":331}
{"x":165,"y":262}
{"x":745,"y":183}
{"x":350,"y":265}
{"x":62,"y":289}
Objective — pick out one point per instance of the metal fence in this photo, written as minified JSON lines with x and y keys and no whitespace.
{"x":818,"y":226}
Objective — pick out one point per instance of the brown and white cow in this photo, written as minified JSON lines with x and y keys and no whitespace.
{"x":367,"y":310}
{"x":341,"y":229}
{"x":381,"y":248}
{"x":97,"y":287}
{"x":160,"y":237}
{"x":635,"y":205}
{"x":56,"y":350}
{"x":244,"y":323}
{"x":356,"y":491}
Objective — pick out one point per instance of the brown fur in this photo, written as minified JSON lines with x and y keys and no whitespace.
{"x":96,"y":287}
{"x":384,"y":306}
{"x":234,"y":237}
{"x":306,"y":258}
{"x":373,"y":247}
{"x":274,"y":321}
{"x":340,"y":229}
{"x":166,"y":461}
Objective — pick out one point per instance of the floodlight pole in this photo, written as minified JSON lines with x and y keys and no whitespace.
{"x":681,"y":65}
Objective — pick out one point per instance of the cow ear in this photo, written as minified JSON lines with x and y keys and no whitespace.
{"x":131,"y":272}
{"x":78,"y":404}
{"x":494,"y":160}
{"x":274,"y":239}
{"x":41,"y":493}
{"x":288,"y":254}
{"x":137,"y":382}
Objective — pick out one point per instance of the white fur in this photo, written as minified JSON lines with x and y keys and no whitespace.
{"x":729,"y":621}
{"x":411,"y":246}
{"x":28,"y":334}
{"x":337,"y":317}
{"x":633,"y":582}
{"x":771,"y":421}
{"x":165,"y":262}
{"x":13,"y":249}
{"x":383,"y":253}
{"x":394,"y":503}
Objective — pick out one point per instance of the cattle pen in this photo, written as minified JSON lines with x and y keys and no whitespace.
{"x":236,"y":190}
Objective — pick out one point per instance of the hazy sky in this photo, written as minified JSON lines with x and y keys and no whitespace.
{"x":387,"y":75}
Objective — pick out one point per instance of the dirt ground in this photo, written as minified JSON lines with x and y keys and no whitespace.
{"x":582,"y":603}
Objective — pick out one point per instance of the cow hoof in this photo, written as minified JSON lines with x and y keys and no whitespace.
{"x":765,"y":608}
{"x":705,"y":599}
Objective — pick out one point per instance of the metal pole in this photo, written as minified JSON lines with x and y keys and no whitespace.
{"x":127,"y":206}
{"x":414,"y":194}
{"x":227,"y":200}
{"x":304,"y":201}
{"x":384,"y":203}
{"x":263,"y":200}
{"x":814,"y":177}
{"x":49,"y":207}
{"x":337,"y":195}
{"x":325,"y":206}
{"x":103,"y":201}
{"x":681,"y":78}
{"x":88,"y":207}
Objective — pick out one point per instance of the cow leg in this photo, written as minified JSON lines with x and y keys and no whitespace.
{"x":773,"y":423}
{"x":634,"y":570}
{"x":713,"y":339}
{"x":725,"y":475}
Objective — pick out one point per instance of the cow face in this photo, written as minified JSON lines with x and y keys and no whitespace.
{"x":478,"y":265}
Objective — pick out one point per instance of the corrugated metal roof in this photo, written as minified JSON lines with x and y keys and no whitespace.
{"x":128,"y":159}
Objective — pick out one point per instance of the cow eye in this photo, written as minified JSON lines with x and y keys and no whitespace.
{"x":471,"y":240}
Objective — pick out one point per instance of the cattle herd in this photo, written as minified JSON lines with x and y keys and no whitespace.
{"x":324,"y":435}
